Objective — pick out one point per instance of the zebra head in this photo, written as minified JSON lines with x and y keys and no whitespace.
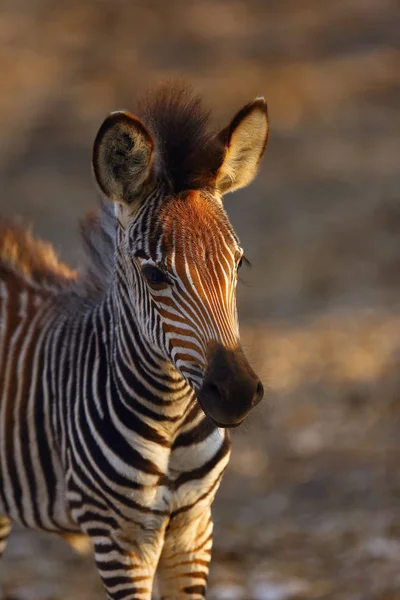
{"x":167,"y":173}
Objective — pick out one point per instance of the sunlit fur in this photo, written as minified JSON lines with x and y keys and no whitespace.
{"x":100,"y":428}
{"x":98,"y":432}
{"x":200,"y":306}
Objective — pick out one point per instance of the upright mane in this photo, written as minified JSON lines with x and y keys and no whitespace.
{"x":30,"y":258}
{"x":35,"y":261}
{"x":188,"y":151}
{"x":98,"y":232}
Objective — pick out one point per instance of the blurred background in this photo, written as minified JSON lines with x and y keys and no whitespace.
{"x":310,"y":505}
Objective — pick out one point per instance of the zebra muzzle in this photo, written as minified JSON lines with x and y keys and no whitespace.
{"x":230,"y":388}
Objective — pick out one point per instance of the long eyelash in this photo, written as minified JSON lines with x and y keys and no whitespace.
{"x":246,"y":261}
{"x":248,"y":264}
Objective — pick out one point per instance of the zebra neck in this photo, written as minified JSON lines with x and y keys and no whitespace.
{"x":140,"y":378}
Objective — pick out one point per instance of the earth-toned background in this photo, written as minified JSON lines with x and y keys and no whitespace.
{"x":310,"y":506}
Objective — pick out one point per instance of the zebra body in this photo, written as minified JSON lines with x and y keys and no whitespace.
{"x":117,"y":383}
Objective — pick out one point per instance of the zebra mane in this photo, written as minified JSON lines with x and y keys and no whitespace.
{"x":30,"y":258}
{"x":188,"y":152}
{"x":98,"y":233}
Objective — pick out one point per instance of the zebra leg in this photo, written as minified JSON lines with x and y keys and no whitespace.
{"x":128,"y":574}
{"x":185,"y":559}
{"x":5,"y":528}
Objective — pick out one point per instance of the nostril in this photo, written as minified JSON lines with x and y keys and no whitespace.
{"x":258,"y":394}
{"x":212,"y":390}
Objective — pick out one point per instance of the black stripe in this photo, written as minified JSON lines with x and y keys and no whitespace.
{"x":198,"y":434}
{"x":202,"y":471}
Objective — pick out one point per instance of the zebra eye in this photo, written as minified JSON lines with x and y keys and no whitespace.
{"x":155,"y":277}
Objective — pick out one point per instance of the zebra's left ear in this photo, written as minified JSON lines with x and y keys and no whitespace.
{"x":245,"y":140}
{"x":122,"y":157}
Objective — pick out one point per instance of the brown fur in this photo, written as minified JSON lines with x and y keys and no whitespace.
{"x":30,"y":258}
{"x":36,"y":262}
{"x":198,"y":215}
{"x":188,"y":152}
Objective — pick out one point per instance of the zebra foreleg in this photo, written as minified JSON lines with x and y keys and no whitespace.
{"x":5,"y":528}
{"x":185,"y":559}
{"x":127,"y":575}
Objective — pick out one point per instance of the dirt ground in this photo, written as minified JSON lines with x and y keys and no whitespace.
{"x":310,"y":506}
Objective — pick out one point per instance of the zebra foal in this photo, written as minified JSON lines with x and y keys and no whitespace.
{"x":118,"y":383}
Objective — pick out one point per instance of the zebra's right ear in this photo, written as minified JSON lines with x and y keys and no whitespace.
{"x":122,"y":157}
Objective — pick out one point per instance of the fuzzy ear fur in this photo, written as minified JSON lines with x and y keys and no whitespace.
{"x":245,"y":140}
{"x":122,"y":157}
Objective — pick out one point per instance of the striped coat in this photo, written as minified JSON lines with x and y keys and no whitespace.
{"x":118,"y":382}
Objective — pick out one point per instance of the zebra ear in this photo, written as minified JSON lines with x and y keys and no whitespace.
{"x":122,"y":157}
{"x":245,"y":140}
